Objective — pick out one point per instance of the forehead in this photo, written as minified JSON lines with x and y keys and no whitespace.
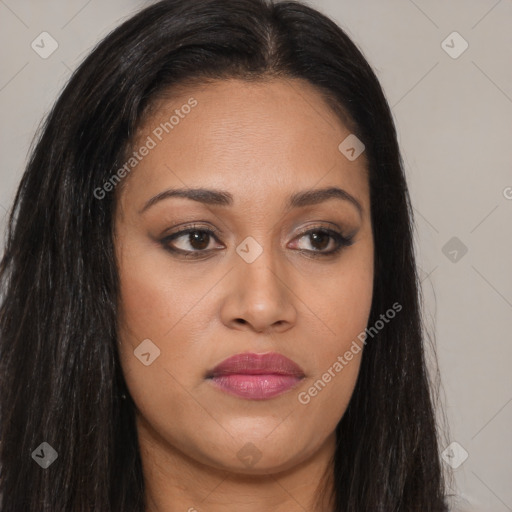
{"x":248,"y":137}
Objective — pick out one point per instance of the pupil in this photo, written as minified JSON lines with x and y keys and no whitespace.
{"x":199,"y":237}
{"x":317,"y":236}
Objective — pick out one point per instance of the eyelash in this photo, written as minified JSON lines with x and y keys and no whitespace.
{"x":340,"y":240}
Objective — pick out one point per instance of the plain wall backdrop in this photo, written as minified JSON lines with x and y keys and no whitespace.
{"x":446,"y":69}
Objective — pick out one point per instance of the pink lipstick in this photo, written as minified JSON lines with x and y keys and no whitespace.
{"x":256,"y":376}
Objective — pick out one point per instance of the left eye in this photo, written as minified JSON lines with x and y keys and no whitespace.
{"x":320,"y":239}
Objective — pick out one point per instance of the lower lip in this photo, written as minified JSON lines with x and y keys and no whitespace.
{"x":255,"y":387}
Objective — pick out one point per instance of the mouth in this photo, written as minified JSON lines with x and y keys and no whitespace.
{"x":256,"y":376}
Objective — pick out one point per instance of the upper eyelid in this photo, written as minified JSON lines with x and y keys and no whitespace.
{"x":340,"y":226}
{"x":186,"y":230}
{"x":218,"y":232}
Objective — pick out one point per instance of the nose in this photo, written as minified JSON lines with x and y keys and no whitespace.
{"x":258,"y":297}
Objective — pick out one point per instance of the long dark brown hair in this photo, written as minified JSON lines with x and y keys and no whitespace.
{"x":60,"y":374}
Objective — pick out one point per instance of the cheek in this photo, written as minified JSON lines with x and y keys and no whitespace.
{"x":148,"y":304}
{"x":152,"y":309}
{"x":344,"y":308}
{"x":155,"y":295}
{"x":154,"y":302}
{"x":350,"y":308}
{"x":326,"y":394}
{"x":344,"y":301}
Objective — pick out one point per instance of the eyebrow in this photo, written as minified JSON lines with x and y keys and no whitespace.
{"x":224,"y":198}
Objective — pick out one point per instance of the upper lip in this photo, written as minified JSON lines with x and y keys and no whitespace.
{"x":250,"y":363}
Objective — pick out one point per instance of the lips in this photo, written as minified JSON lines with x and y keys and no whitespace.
{"x":256,"y":376}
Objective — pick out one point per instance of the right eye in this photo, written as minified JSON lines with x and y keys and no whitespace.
{"x":190,"y":242}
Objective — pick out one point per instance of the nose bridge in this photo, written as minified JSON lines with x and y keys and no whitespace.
{"x":259,"y":296}
{"x":259,"y":267}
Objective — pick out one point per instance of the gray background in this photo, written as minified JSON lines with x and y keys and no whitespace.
{"x":453,"y":117}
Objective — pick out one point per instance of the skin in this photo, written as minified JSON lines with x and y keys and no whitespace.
{"x":260,"y":141}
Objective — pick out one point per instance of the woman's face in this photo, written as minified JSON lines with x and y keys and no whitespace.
{"x":257,"y":273}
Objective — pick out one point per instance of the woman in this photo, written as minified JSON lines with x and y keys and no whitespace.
{"x":210,"y":295}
